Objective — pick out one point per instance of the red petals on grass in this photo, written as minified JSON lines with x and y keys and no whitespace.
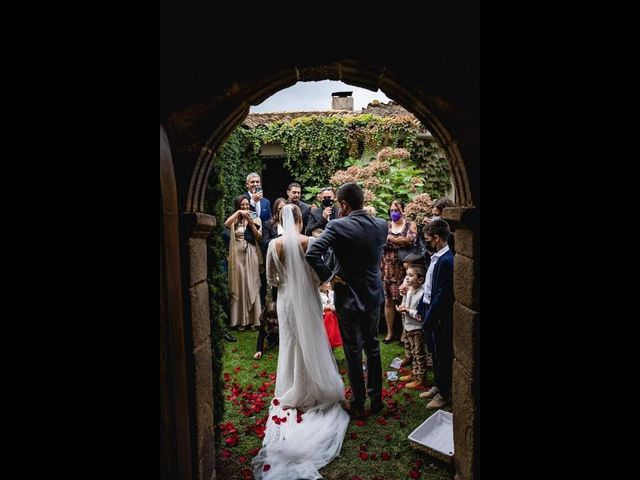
{"x":232,"y":441}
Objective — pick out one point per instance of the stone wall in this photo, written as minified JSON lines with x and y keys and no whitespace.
{"x":466,"y":341}
{"x":198,"y":226}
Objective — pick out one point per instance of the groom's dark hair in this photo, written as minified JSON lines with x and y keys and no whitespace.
{"x":352,"y":194}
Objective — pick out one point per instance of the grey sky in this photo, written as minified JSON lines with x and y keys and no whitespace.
{"x":309,"y":96}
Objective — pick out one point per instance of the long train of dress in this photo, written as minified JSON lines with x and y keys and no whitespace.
{"x":306,"y":424}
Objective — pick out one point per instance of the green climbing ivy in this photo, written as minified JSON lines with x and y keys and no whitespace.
{"x":227,"y":180}
{"x":316,"y":147}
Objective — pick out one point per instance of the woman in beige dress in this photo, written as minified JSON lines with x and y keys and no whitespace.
{"x":245,"y":260}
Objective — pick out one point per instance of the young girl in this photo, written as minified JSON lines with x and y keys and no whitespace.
{"x":268,"y":329}
{"x":329,"y":316}
{"x":413,"y":326}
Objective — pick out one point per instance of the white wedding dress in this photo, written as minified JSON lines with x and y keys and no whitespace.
{"x":306,"y":424}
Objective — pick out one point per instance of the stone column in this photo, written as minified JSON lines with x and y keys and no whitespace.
{"x":196,"y":227}
{"x":466,"y":340}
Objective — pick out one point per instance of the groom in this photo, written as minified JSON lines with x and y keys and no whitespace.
{"x":357,"y":240}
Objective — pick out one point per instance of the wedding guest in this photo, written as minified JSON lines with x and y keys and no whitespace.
{"x":414,"y":339}
{"x":245,"y":257}
{"x":401,"y":233}
{"x":329,"y":315}
{"x":268,"y":329}
{"x":437,"y":311}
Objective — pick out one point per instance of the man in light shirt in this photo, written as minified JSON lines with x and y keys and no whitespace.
{"x":437,"y":311}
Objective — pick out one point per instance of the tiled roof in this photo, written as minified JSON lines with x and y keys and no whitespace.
{"x":386,"y":109}
{"x":391,"y":109}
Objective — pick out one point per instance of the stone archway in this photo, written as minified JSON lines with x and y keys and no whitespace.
{"x":455,"y":130}
{"x":218,"y":58}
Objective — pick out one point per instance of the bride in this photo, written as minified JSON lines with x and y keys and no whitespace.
{"x":306,"y":424}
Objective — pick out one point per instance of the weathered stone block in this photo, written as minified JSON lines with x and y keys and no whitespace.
{"x":200,"y":324}
{"x":466,"y":338}
{"x":464,"y":242}
{"x":464,"y":422}
{"x":197,"y":261}
{"x":464,"y":282}
{"x":204,"y":412}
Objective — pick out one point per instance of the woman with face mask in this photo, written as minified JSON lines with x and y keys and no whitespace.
{"x":402,"y":234}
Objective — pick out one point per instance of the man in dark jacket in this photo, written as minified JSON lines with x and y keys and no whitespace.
{"x":318,"y":220}
{"x":319,"y":217}
{"x":437,"y":311}
{"x":294,"y":190}
{"x":357,"y":239}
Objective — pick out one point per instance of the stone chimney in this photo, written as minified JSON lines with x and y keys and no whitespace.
{"x":342,"y":101}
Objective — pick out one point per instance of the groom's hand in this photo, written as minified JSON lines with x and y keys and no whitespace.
{"x":337,"y":281}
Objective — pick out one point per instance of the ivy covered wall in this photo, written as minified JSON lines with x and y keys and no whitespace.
{"x":316,"y":147}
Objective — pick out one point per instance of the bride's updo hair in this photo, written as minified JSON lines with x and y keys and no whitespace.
{"x":295,"y":209}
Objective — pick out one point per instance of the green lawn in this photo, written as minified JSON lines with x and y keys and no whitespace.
{"x":378,"y":435}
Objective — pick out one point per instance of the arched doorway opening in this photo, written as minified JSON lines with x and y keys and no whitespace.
{"x":458,"y":134}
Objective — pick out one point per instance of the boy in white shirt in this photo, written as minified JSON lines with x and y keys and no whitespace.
{"x":414,"y":337}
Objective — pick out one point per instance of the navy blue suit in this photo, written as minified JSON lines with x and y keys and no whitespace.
{"x":357,"y":242}
{"x":438,"y":322}
{"x":265,"y":216}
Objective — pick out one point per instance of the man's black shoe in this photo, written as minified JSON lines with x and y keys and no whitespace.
{"x":229,"y":338}
{"x":356,"y":412}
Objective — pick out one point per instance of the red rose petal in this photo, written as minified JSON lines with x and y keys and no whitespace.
{"x":354,"y":435}
{"x":266,"y":467}
{"x":385,"y":456}
{"x":363,"y":455}
{"x":414,"y":474}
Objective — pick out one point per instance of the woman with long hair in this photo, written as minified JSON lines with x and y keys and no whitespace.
{"x":245,"y":258}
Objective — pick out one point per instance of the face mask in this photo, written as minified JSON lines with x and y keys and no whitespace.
{"x":327,"y":202}
{"x":395,"y":216}
{"x":436,"y":217}
{"x":429,"y":247}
